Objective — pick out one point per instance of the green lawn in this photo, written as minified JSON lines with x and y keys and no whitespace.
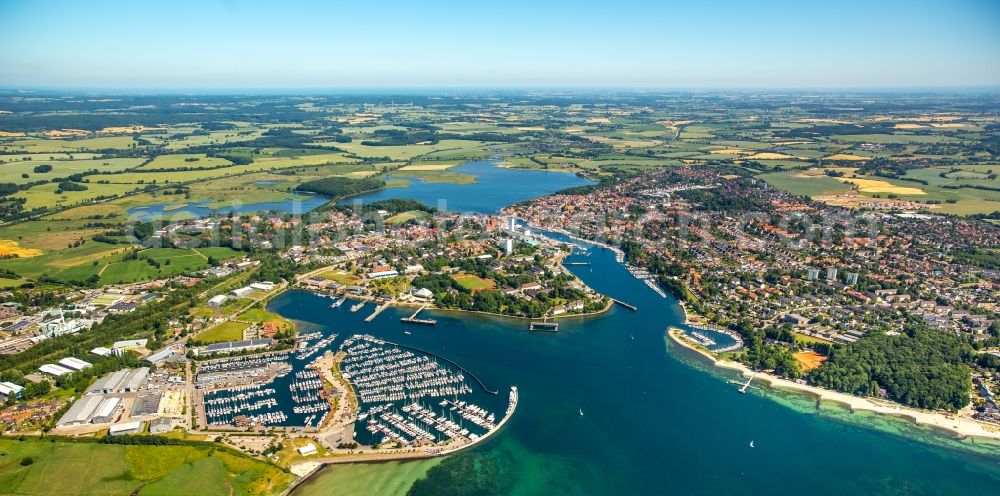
{"x":407,"y":216}
{"x":340,"y":276}
{"x":226,"y":331}
{"x":219,"y":252}
{"x":473,"y":282}
{"x":808,"y":340}
{"x":64,"y":468}
{"x":261,"y":316}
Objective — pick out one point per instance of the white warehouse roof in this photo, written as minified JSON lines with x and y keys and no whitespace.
{"x":54,"y":370}
{"x":125,"y":428}
{"x":107,"y":408}
{"x":81,"y":411}
{"x":9,"y":388}
{"x":74,"y":363}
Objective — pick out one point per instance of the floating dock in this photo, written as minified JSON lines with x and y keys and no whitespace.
{"x":412,"y":319}
{"x":544,"y":326}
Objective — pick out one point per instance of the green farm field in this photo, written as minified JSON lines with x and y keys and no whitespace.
{"x":185,"y":160}
{"x":66,"y":145}
{"x":946,"y":194}
{"x":14,"y":171}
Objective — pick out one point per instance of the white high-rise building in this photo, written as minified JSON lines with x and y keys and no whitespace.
{"x":512,"y":225}
{"x":508,"y":246}
{"x":831,"y":274}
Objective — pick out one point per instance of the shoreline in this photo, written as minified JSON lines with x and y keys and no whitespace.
{"x":434,"y":308}
{"x":620,"y":255}
{"x":960,"y":428}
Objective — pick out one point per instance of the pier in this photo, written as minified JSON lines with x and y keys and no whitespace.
{"x":412,"y":319}
{"x":577,"y":263}
{"x":543,"y":326}
{"x":626,"y":305}
{"x":378,"y":311}
{"x":747,"y":385}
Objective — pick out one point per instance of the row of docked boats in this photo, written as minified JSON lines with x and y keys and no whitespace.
{"x":415,"y":423}
{"x":473,"y":413}
{"x":381,"y":372}
{"x":699,"y":334}
{"x":702,"y":339}
{"x":320,"y":406}
{"x":240,"y":394}
{"x":242,"y":362}
{"x":223,"y":407}
{"x":308,"y":422}
{"x":307,"y":374}
{"x":304,"y":350}
{"x":647,"y":277}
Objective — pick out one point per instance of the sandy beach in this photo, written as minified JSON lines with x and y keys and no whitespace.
{"x":960,"y":427}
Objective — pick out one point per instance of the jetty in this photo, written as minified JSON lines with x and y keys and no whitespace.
{"x":626,"y":305}
{"x":412,"y":319}
{"x":543,"y":326}
{"x":747,"y":385}
{"x":577,"y":263}
{"x":378,"y":311}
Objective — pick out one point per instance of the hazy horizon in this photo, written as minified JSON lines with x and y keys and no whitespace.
{"x":631,"y":44}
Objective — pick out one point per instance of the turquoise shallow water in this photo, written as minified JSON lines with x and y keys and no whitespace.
{"x":656,"y":419}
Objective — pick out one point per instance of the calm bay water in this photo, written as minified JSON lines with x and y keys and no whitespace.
{"x":203,"y":209}
{"x":495,"y":188}
{"x":656,"y":420}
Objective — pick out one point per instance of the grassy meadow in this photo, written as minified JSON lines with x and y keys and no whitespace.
{"x":61,"y":468}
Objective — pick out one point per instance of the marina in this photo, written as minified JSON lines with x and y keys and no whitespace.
{"x":646,"y":277}
{"x":271,"y":389}
{"x":714,"y":338}
{"x":406,"y":396}
{"x":409,"y":398}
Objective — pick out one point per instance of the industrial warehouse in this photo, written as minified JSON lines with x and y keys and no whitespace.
{"x":105,"y":399}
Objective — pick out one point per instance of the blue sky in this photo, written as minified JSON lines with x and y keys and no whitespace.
{"x":235,"y":44}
